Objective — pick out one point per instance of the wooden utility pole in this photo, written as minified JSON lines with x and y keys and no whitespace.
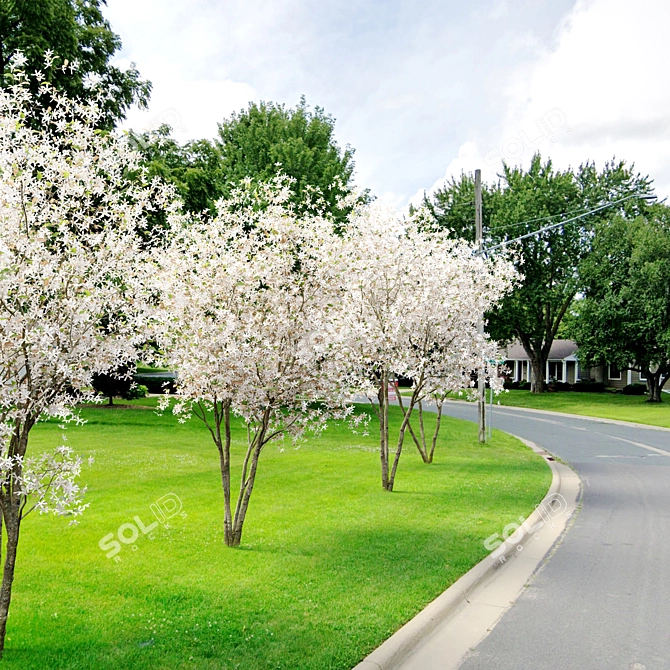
{"x":481,"y":384}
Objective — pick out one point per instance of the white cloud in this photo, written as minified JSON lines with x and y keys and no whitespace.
{"x":191,"y":108}
{"x":602,"y":86}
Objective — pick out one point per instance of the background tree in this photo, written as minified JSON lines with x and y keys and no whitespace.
{"x":522,"y":202}
{"x":194,"y":168}
{"x":113,"y":383}
{"x":624,"y":316}
{"x":268,"y":139}
{"x":76,"y":32}
{"x":70,"y":261}
{"x":260,"y":143}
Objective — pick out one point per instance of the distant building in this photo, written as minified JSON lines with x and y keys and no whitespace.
{"x":563,"y":366}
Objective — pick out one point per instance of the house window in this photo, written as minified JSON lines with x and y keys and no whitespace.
{"x":614,"y":372}
{"x":641,"y":376}
{"x":556,"y":370}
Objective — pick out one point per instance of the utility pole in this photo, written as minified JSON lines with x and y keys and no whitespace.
{"x":481,"y":384}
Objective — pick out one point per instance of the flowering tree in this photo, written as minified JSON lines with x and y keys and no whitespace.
{"x":411,"y":308}
{"x":245,"y":320}
{"x":70,"y":268}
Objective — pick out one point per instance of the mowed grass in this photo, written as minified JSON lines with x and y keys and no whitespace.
{"x":602,"y":405}
{"x":330,"y":565}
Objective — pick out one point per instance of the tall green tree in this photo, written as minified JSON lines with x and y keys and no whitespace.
{"x":267,"y":139}
{"x":77,"y":32}
{"x":522,"y":202}
{"x":259,"y":143}
{"x":624,"y":316}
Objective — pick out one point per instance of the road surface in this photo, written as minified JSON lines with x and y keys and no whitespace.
{"x":602,"y":602}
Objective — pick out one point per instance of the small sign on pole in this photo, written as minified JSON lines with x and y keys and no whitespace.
{"x":393,"y":392}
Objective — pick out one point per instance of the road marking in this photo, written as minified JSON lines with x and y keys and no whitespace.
{"x":642,"y":446}
{"x":628,"y":456}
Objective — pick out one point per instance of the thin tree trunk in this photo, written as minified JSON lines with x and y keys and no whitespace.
{"x":383,"y":397}
{"x":247,"y":481}
{"x":111,"y":400}
{"x":437,"y":430}
{"x":11,"y":509}
{"x":12,"y":526}
{"x":420,"y":448}
{"x":223,"y":445}
{"x":401,"y":441}
{"x":422,"y":429}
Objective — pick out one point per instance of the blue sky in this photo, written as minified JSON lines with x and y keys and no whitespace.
{"x":420,"y":89}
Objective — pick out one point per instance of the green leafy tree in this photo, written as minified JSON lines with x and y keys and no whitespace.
{"x":268,"y":139}
{"x":624,"y":317}
{"x":194,"y":168}
{"x":259,"y":143}
{"x":522,"y":202}
{"x":79,"y":35}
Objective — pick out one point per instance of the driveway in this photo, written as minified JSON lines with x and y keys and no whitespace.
{"x":602,"y":601}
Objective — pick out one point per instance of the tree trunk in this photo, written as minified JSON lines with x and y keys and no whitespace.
{"x":12,"y":525}
{"x":420,"y":445}
{"x":401,"y":441}
{"x":538,"y":366}
{"x":247,"y":481}
{"x":224,"y":461}
{"x":654,"y":386}
{"x":440,"y":403}
{"x":111,"y":400}
{"x":422,"y":432}
{"x":383,"y":396}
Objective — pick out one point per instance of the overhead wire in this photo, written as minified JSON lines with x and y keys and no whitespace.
{"x":562,"y":223}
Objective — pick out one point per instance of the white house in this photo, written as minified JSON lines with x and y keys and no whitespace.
{"x":563,"y":366}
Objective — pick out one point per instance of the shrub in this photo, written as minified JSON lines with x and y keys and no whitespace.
{"x":136,"y":392}
{"x":156,"y":383}
{"x":524,"y":386}
{"x":635,"y":389}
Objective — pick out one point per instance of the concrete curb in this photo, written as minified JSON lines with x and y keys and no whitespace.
{"x":453,"y":603}
{"x":584,"y":417}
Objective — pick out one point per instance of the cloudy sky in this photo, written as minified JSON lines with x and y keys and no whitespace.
{"x":421,"y":89}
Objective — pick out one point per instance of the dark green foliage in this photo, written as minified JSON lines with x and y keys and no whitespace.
{"x":156,"y":382}
{"x":634,"y":389}
{"x":115,"y":383}
{"x":136,"y":392}
{"x":625,"y":313}
{"x":194,"y":168}
{"x":76,"y":31}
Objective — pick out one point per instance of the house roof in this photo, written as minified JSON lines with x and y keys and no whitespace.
{"x":560,"y":350}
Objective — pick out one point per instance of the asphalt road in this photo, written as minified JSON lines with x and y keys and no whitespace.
{"x":602,"y":601}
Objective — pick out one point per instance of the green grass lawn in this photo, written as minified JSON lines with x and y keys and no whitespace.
{"x":603,"y":405}
{"x":330,"y":565}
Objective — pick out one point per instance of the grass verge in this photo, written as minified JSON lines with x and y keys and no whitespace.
{"x":602,"y":405}
{"x":330,"y":564}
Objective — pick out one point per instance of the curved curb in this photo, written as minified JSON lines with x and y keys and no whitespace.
{"x":490,"y":575}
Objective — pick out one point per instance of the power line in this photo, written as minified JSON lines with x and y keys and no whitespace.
{"x":537,"y":218}
{"x":562,"y":223}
